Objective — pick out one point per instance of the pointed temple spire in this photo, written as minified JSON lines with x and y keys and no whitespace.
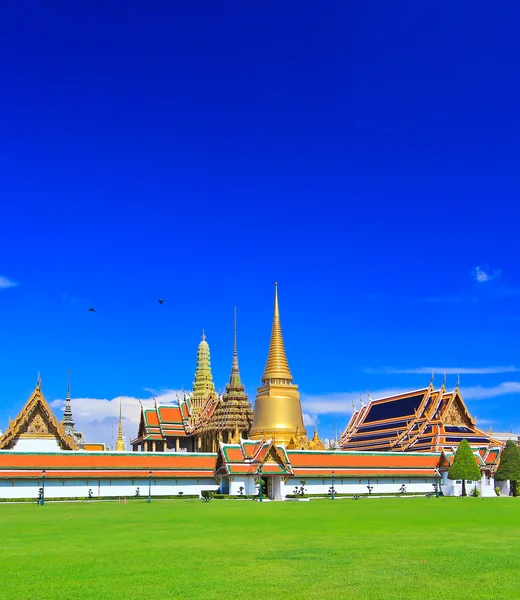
{"x":203,"y":383}
{"x":277,"y":366}
{"x":235,"y":385}
{"x":120,"y":444}
{"x":278,"y":410}
{"x":233,"y":415}
{"x":68,"y":421}
{"x":203,"y":386}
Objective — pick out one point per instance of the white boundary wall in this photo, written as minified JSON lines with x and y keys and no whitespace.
{"x":423,"y":485}
{"x":102,"y":488}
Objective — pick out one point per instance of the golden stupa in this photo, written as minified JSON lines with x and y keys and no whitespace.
{"x":278,"y":410}
{"x":120,"y":444}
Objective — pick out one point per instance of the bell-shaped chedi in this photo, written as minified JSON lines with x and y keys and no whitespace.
{"x":278,"y":410}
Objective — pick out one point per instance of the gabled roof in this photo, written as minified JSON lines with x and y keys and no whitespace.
{"x":423,"y":420}
{"x":174,"y":420}
{"x":37,"y":420}
{"x":252,"y":457}
{"x":485,"y":456}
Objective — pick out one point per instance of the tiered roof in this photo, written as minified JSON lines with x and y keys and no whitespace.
{"x":265,"y":457}
{"x":248,"y":457}
{"x":233,"y":412}
{"x":421,"y":420}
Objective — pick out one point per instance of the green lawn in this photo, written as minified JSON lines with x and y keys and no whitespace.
{"x":370,"y":548}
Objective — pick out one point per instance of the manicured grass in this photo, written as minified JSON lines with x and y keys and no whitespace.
{"x":370,"y":548}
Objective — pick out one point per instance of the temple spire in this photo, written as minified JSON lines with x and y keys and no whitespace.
{"x":235,"y":385}
{"x":68,"y":421}
{"x":203,"y":386}
{"x":277,"y":366}
{"x":120,"y":444}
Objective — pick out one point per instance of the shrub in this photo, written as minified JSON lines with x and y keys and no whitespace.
{"x":497,"y":491}
{"x":475,"y":492}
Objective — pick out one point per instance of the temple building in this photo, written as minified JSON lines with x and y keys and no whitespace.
{"x":200,"y":421}
{"x":36,"y":428}
{"x":399,"y":444}
{"x":426,"y":420}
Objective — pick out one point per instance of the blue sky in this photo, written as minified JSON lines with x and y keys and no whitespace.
{"x":363,"y":155}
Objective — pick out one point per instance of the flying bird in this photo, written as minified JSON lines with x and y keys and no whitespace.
{"x":91,"y":310}
{"x":161,"y":301}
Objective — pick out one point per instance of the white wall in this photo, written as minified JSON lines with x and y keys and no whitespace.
{"x":73,"y":488}
{"x":453,"y":487}
{"x":36,"y":445}
{"x":353,"y":486}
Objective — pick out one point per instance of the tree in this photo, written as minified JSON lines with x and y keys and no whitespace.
{"x":464,"y":466}
{"x":509,"y":467}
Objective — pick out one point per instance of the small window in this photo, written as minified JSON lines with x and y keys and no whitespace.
{"x":459,"y":481}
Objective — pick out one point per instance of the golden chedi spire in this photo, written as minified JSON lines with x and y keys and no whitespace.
{"x":277,"y":365}
{"x":120,"y":444}
{"x":278,"y":411}
{"x":203,"y":386}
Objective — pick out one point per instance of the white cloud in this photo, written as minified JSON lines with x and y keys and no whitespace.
{"x":98,"y":417}
{"x":5,"y":282}
{"x":482,"y":276}
{"x":447,"y":370}
{"x":310,"y":420}
{"x":478,"y":392}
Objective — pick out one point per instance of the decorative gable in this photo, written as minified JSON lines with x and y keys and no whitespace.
{"x":36,"y":421}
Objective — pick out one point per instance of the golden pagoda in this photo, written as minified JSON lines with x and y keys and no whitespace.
{"x":120,"y":444}
{"x":233,"y":414}
{"x":203,"y":387}
{"x":278,"y":410}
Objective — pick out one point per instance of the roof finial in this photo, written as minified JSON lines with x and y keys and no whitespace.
{"x":120,"y":444}
{"x":39,"y":382}
{"x":433,"y":377}
{"x":203,"y":335}
{"x":458,"y":382}
{"x":444,"y":380}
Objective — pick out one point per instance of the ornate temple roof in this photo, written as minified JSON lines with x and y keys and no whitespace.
{"x":250,"y":457}
{"x":265,"y":457}
{"x":233,"y":412}
{"x":37,"y":420}
{"x":421,"y":420}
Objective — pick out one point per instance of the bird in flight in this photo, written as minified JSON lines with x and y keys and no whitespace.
{"x":91,"y":310}
{"x":161,"y":301}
